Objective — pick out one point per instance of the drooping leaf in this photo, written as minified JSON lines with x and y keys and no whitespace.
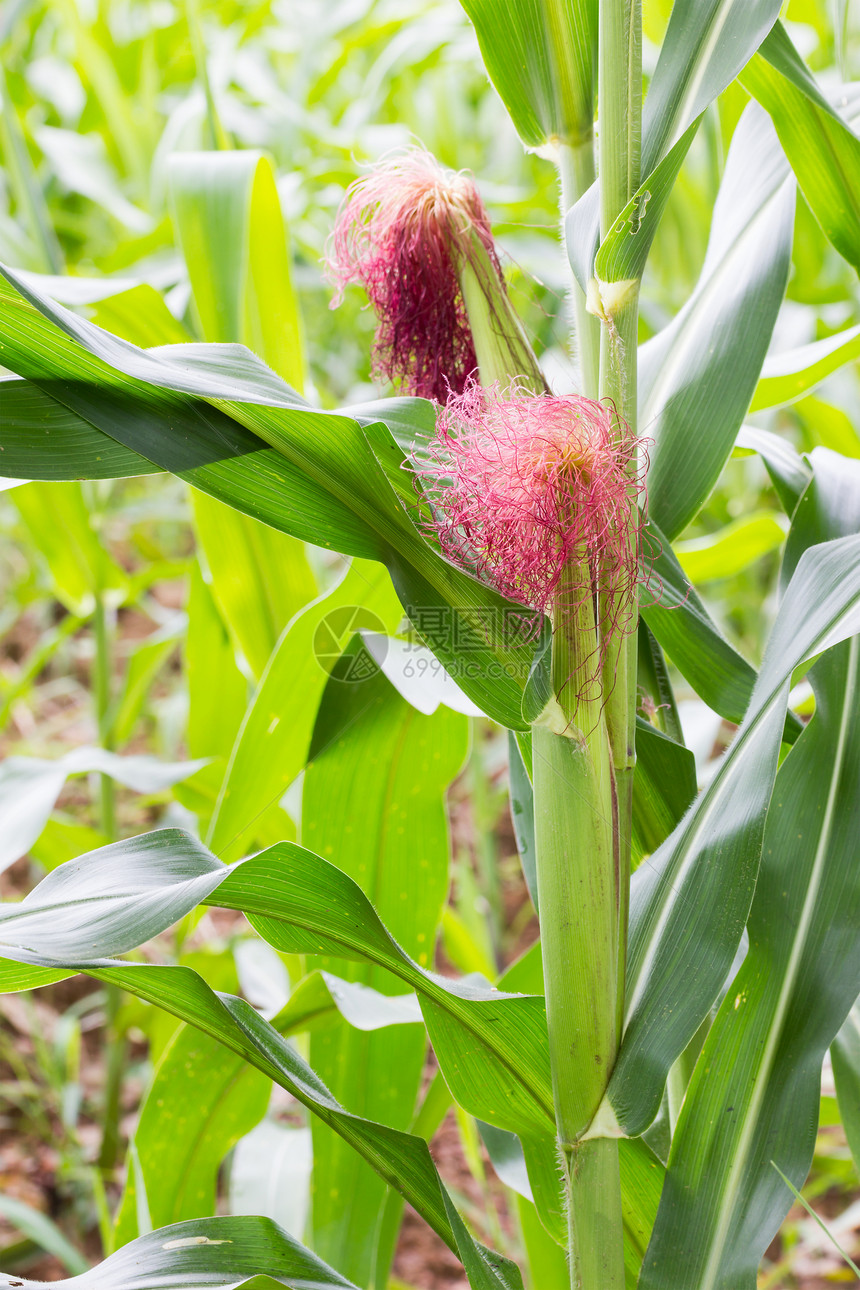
{"x":332,"y":480}
{"x":42,"y":439}
{"x":204,"y":1097}
{"x":301,"y":904}
{"x":29,"y":787}
{"x":403,"y":1160}
{"x":375,"y":759}
{"x":234,"y":1253}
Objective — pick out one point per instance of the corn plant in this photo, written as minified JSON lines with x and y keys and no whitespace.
{"x":647,"y":1076}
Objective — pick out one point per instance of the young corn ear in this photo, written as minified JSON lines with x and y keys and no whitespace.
{"x":417,"y":238}
{"x":533,"y":493}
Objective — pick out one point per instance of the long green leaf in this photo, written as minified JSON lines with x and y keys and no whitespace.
{"x":697,"y":376}
{"x":706,"y":44}
{"x":59,"y":523}
{"x":228,"y":218}
{"x":301,"y":904}
{"x":233,"y":1253}
{"x":824,"y":152}
{"x":690,"y":901}
{"x":202,"y":1099}
{"x":260,"y":578}
{"x":43,"y":1232}
{"x":845,"y":1056}
{"x":678,"y":619}
{"x":751,"y":1103}
{"x":272,"y":745}
{"x":789,"y":375}
{"x":731,"y":549}
{"x":29,"y":787}
{"x":403,"y":1160}
{"x":623,"y":252}
{"x":231,"y":229}
{"x":664,"y":785}
{"x":333,"y":480}
{"x":41,"y":439}
{"x":375,"y":759}
{"x":541,"y":57}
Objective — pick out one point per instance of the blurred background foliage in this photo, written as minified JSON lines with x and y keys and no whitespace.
{"x":97,"y":579}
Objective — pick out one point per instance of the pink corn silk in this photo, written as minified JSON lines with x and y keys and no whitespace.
{"x":400,"y":233}
{"x":524,"y":485}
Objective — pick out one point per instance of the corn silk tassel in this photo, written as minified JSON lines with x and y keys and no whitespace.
{"x":417,"y":238}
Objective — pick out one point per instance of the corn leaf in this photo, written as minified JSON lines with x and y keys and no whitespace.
{"x":541,"y":56}
{"x":202,"y":1100}
{"x":707,"y":42}
{"x":272,"y":744}
{"x":329,"y":481}
{"x":787,"y":376}
{"x":687,"y":910}
{"x":697,"y":376}
{"x":823,"y":150}
{"x":301,"y":904}
{"x":373,"y":757}
{"x":402,"y":1159}
{"x":42,"y":439}
{"x":236,"y":1253}
{"x":751,"y":1104}
{"x":732,"y":548}
{"x":228,"y":218}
